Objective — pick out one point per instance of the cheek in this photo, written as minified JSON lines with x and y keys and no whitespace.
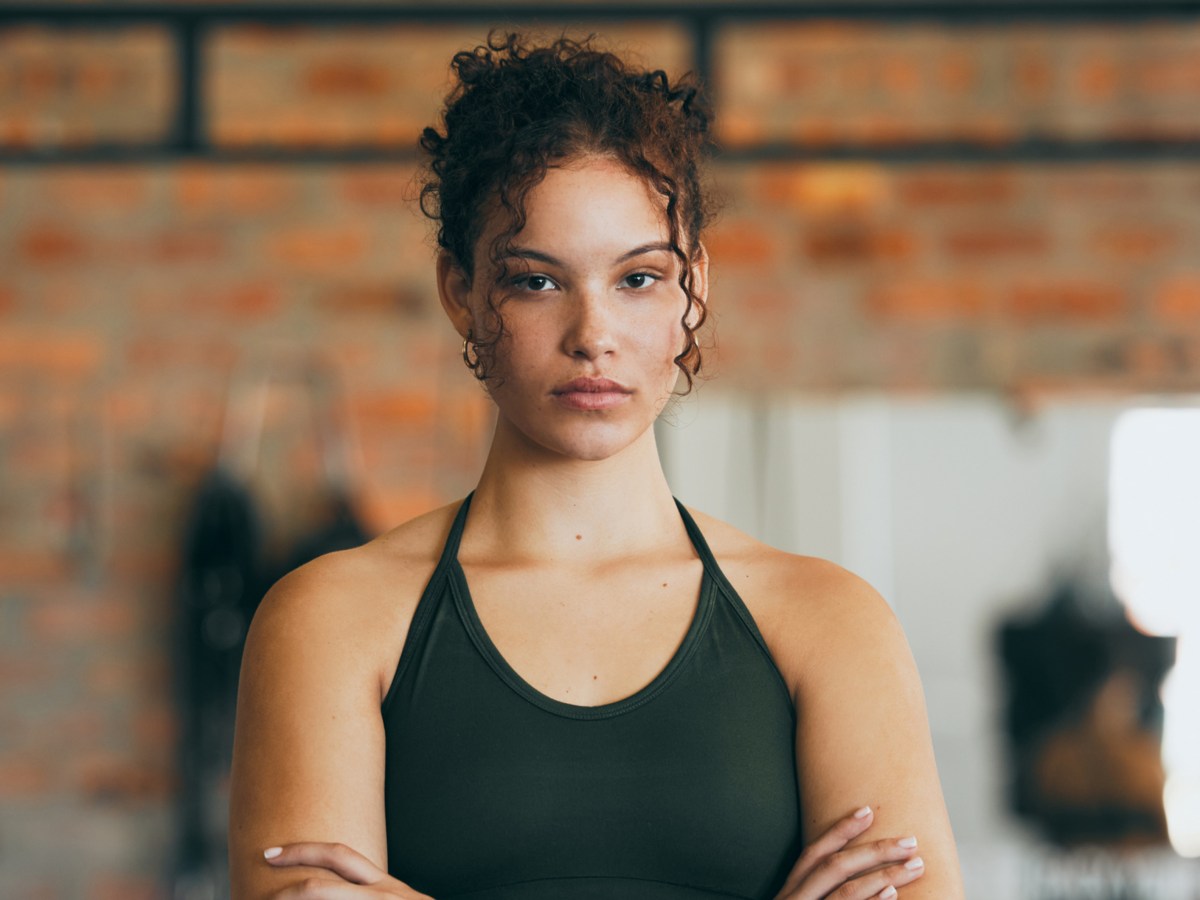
{"x":661,"y":342}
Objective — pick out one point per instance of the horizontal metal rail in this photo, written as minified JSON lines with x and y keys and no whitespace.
{"x":190,"y":23}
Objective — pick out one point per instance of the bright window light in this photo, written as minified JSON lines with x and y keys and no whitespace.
{"x":1154,"y":539}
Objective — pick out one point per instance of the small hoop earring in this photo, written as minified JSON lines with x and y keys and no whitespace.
{"x":467,"y":347}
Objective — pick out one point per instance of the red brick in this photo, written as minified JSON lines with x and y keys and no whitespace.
{"x":223,"y":301}
{"x":740,"y":243}
{"x":1177,"y":74}
{"x":1033,"y":74}
{"x":1078,"y":300}
{"x":1097,"y":184}
{"x":14,"y":405}
{"x":53,"y":245}
{"x":984,"y":242}
{"x":18,"y":672}
{"x":391,"y":186}
{"x":1177,"y":300}
{"x":143,"y":564}
{"x":157,"y":355}
{"x":374,"y":299}
{"x":25,"y":566}
{"x":981,"y":187}
{"x":114,"y":676}
{"x":386,"y":506}
{"x":347,"y":79}
{"x":23,"y":777}
{"x":100,"y":189}
{"x":391,"y":409}
{"x":853,"y":243}
{"x":74,"y":619}
{"x":928,"y":300}
{"x":901,"y":78}
{"x":99,"y":80}
{"x":798,"y":75}
{"x":157,"y":730}
{"x":1133,"y":243}
{"x":1097,"y":79}
{"x":59,"y":353}
{"x":184,"y":246}
{"x":957,"y":73}
{"x":77,"y":728}
{"x":318,"y":249}
{"x":826,"y":189}
{"x":109,"y":778}
{"x":1154,"y":359}
{"x":243,"y":189}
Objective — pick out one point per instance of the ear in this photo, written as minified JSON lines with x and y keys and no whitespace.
{"x":454,"y":290}
{"x":700,"y":274}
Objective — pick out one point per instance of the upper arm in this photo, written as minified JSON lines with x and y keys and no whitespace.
{"x":308,"y":760}
{"x":862,"y":734}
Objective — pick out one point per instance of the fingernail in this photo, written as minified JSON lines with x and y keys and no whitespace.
{"x":915,"y":863}
{"x":272,"y":852}
{"x":907,"y":843}
{"x":887,"y":893}
{"x":863,"y":813}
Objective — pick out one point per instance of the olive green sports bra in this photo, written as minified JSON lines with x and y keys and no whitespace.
{"x":495,"y":791}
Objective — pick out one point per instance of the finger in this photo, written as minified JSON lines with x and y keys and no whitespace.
{"x":881,"y":883}
{"x":337,"y":858}
{"x":850,"y":865}
{"x":838,"y":836}
{"x":317,"y":888}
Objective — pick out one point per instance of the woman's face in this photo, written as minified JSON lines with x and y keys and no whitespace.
{"x":591,"y":308}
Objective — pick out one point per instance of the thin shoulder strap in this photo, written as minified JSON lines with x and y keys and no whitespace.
{"x":429,"y":601}
{"x":698,"y":541}
{"x":723,"y":584}
{"x":454,"y":538}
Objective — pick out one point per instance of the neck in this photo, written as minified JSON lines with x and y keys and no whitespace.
{"x":534,"y":505}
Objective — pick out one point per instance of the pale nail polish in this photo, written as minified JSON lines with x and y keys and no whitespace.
{"x":887,"y":893}
{"x":863,"y":813}
{"x":907,"y":843}
{"x":272,"y":852}
{"x":915,"y":863}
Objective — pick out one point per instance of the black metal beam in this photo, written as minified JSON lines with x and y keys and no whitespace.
{"x":945,"y":10}
{"x":1027,"y":151}
{"x":190,"y":23}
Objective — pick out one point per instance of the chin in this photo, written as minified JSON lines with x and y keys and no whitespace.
{"x":590,"y":450}
{"x":588,"y":441}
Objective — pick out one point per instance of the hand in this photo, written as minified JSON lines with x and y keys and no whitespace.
{"x":866,"y":872}
{"x":354,"y":877}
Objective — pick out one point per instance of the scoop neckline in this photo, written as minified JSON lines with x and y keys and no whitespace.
{"x":491,"y":653}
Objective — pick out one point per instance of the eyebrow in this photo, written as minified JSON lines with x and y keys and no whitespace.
{"x":539,"y":256}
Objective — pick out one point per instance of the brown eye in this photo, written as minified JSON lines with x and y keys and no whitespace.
{"x":640,"y":280}
{"x":535,"y":283}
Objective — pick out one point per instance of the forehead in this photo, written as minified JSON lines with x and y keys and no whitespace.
{"x":590,"y":205}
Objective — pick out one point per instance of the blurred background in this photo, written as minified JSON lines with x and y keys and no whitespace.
{"x":956,"y":287}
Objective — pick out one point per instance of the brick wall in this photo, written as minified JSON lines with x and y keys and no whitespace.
{"x":142,"y":306}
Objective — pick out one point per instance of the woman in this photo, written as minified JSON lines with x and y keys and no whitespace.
{"x":586,"y":690}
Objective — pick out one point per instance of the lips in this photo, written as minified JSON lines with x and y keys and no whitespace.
{"x":591,"y":393}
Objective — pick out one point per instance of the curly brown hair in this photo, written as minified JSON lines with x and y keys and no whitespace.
{"x":517,"y":109}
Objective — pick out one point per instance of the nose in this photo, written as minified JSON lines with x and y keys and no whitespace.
{"x":591,"y":330}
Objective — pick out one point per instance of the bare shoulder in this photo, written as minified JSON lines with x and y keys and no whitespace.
{"x":811,"y":612}
{"x":862,"y":734}
{"x":357,"y":602}
{"x":309,"y":744}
